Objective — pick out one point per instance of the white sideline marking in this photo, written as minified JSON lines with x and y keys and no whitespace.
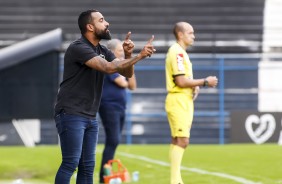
{"x":195,"y":170}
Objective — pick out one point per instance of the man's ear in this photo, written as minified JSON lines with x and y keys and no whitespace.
{"x":180,"y":34}
{"x":90,"y":27}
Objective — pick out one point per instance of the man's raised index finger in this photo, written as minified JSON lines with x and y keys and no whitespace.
{"x":128,"y":36}
{"x":151,"y":39}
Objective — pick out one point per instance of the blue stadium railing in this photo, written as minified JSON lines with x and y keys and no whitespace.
{"x":221,"y":64}
{"x":221,"y":112}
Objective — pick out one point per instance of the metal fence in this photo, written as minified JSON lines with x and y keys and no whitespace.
{"x":231,"y":93}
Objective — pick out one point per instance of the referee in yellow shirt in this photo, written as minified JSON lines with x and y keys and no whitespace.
{"x":182,"y":90}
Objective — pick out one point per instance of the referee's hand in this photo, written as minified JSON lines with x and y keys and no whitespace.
{"x":212,"y":81}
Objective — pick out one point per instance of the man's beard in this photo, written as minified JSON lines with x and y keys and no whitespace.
{"x":105,"y":34}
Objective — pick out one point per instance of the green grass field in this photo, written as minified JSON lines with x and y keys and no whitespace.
{"x":202,"y":164}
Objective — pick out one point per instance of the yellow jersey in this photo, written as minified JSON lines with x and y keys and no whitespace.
{"x":177,"y":63}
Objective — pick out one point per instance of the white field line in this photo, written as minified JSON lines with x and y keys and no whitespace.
{"x":195,"y":170}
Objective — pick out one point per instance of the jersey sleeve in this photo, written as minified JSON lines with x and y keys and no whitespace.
{"x":83,"y":52}
{"x":177,"y":62}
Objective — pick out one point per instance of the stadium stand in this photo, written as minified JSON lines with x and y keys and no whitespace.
{"x":221,"y":27}
{"x":146,"y":108}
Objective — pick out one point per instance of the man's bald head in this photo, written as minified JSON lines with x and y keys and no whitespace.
{"x":180,"y":27}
